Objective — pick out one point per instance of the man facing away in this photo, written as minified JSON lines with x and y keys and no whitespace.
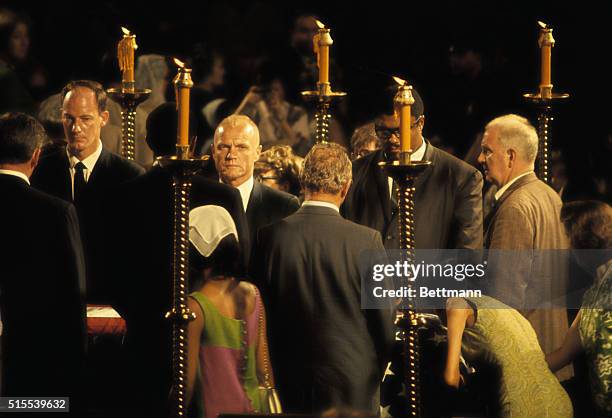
{"x":42,"y":275}
{"x":525,"y":221}
{"x":326,"y":350}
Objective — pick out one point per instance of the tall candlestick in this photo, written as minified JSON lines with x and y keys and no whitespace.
{"x":322,"y":41}
{"x":546,"y":42}
{"x":403,"y":102}
{"x":125,"y":54}
{"x":182,"y":84}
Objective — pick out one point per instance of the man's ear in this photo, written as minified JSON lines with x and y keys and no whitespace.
{"x":511,"y":157}
{"x":104,"y":116}
{"x":345,"y":189}
{"x":35,"y":158}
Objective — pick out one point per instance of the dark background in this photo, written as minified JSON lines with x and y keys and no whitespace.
{"x":372,"y":40}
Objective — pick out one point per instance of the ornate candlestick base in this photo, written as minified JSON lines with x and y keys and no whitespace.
{"x":324,"y":96}
{"x":404,"y":175}
{"x":128,"y":99}
{"x":182,"y":172}
{"x":544,"y":102}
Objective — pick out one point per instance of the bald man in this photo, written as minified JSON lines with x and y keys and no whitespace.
{"x":235,"y":149}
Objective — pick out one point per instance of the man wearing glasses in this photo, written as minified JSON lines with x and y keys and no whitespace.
{"x":448,"y":194}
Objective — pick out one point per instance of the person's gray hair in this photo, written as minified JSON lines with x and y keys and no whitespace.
{"x":327,"y":169}
{"x":518,"y":133}
{"x":233,"y":121}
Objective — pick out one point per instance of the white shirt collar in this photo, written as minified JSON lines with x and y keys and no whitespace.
{"x":417,"y":155}
{"x":245,"y":190}
{"x":501,"y":191}
{"x":90,"y":162}
{"x":322,"y":204}
{"x":16,"y":174}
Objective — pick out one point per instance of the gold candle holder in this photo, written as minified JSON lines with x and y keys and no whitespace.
{"x":543,"y":102}
{"x":323,"y":95}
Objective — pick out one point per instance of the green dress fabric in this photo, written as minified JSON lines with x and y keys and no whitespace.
{"x":227,"y":378}
{"x":503,"y":338}
{"x":596,"y":337}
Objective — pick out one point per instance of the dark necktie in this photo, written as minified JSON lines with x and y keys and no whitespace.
{"x":79,"y":181}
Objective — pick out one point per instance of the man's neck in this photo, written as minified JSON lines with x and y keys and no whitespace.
{"x":235,"y":183}
{"x":324,"y":197}
{"x":85,"y":153}
{"x":24,"y":168}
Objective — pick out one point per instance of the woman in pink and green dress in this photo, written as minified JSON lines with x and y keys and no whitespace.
{"x":227,"y":347}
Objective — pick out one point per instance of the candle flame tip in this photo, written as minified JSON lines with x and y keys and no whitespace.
{"x":125,"y":31}
{"x":179,"y":63}
{"x":399,"y":81}
{"x":320,"y":24}
{"x":542,"y":24}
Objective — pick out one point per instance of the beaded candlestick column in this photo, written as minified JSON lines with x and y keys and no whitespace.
{"x":324,"y":95}
{"x":404,"y":172}
{"x":182,"y":166}
{"x":544,"y":100}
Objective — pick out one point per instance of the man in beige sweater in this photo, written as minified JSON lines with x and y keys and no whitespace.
{"x":521,"y":229}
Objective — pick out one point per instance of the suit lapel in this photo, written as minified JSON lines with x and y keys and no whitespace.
{"x":431,"y":154}
{"x":97,"y":175}
{"x":254,"y":206}
{"x":382,"y":186}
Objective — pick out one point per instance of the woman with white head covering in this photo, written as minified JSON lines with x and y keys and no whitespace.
{"x":228,"y":356}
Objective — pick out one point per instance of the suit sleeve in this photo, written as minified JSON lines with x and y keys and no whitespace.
{"x":511,"y":259}
{"x":380,"y":321}
{"x":468,"y":214}
{"x":71,"y":292}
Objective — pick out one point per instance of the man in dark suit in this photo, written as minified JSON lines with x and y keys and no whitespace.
{"x":448,"y":197}
{"x":142,"y":278}
{"x":84,"y":171}
{"x":326,"y":351}
{"x":42,"y":275}
{"x":235,"y":149}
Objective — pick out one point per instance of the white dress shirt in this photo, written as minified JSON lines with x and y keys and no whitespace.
{"x":245,"y":190}
{"x":16,"y":174}
{"x":415,"y":156}
{"x":322,"y":204}
{"x":501,"y":191}
{"x":89,"y":163}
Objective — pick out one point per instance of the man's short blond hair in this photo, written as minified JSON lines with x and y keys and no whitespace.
{"x":327,"y":169}
{"x":234,"y":121}
{"x":518,"y":133}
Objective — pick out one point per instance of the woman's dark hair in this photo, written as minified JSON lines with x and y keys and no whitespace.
{"x":225,"y":260}
{"x":588,"y":224}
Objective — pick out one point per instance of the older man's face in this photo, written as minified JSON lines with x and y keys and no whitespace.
{"x":235,"y":150}
{"x":494,"y":159}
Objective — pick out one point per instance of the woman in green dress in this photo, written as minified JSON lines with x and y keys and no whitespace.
{"x":490,"y":334}
{"x":589,"y":225}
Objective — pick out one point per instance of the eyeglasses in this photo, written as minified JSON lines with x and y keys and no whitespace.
{"x":385,"y":133}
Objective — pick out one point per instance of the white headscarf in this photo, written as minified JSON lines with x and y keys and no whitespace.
{"x":208,"y":225}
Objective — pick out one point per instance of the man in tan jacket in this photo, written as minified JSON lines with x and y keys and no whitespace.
{"x":522,"y":229}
